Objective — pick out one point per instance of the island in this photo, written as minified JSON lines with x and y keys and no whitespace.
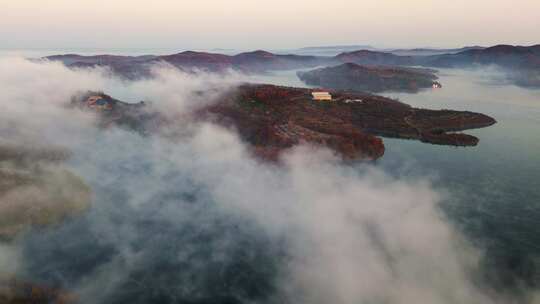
{"x":272,"y":119}
{"x":374,"y":79}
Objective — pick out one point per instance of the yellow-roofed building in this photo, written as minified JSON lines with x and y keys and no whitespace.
{"x":321,"y":96}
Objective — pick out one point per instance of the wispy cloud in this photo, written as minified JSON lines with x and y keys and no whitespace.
{"x":197,"y":219}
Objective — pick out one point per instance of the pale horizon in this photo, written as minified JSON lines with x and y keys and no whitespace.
{"x":243,"y":25}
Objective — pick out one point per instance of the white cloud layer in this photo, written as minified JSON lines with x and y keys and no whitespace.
{"x":169,"y":217}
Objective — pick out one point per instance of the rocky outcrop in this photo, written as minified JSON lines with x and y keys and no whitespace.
{"x":134,"y":116}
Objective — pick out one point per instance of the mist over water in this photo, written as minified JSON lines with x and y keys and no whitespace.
{"x":492,"y":192}
{"x":197,"y":220}
{"x":494,"y":196}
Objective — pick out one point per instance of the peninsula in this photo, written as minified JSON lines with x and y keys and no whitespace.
{"x":272,"y":119}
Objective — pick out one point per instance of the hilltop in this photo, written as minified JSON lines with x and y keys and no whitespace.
{"x":368,"y":57}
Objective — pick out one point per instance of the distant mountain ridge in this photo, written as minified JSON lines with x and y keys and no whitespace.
{"x":431,"y":51}
{"x":333,"y":47}
{"x":503,"y":55}
{"x":249,"y":62}
{"x":508,"y":56}
{"x":522,"y":58}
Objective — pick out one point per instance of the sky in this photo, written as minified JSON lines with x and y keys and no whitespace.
{"x":277,"y":24}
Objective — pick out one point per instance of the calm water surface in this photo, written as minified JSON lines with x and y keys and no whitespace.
{"x":492,"y":191}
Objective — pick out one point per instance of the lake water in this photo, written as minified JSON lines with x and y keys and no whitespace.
{"x":490,"y":192}
{"x":494,"y":188}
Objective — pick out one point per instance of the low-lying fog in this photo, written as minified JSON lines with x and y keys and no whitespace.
{"x":199,"y":221}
